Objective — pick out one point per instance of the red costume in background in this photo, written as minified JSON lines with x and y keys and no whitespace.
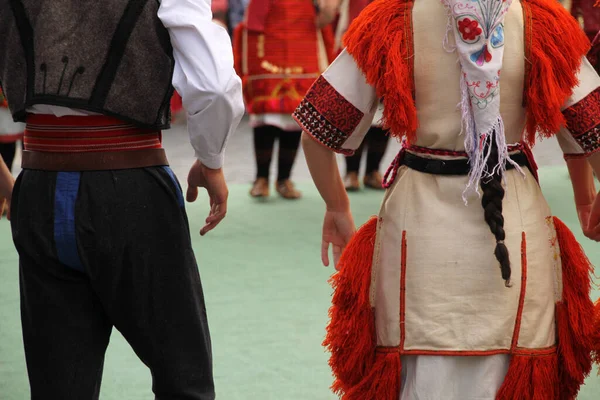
{"x":279,"y":53}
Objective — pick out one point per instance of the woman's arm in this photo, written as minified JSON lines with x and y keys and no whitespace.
{"x":335,"y":116}
{"x":325,"y":173}
{"x":338,"y":226}
{"x":587,"y":200}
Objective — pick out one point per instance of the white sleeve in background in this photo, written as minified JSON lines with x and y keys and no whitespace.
{"x":204,"y":76}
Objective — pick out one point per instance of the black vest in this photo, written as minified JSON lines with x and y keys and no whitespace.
{"x":112,"y":57}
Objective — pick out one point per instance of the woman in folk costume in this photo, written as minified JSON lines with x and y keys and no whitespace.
{"x":10,"y":133}
{"x":280,"y":49}
{"x":465,"y":287}
{"x":376,"y":139}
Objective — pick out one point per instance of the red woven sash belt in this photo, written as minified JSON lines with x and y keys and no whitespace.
{"x":83,"y":143}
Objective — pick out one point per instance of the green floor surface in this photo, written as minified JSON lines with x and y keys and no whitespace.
{"x":267,"y":300}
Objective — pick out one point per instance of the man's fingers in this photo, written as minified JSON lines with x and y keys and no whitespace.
{"x":210,"y":226}
{"x":216,"y":215}
{"x":325,"y":253}
{"x":192,"y":194}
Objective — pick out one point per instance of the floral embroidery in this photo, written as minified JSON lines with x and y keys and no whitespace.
{"x":469,"y":29}
{"x":482,"y":56}
{"x":327,"y":116}
{"x":477,"y":20}
{"x":583,"y":122}
{"x":481,"y":97}
{"x":497,"y":38}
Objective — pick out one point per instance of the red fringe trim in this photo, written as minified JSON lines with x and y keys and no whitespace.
{"x":574,"y":314}
{"x":531,"y":378}
{"x":382,"y":382}
{"x":555,"y":46}
{"x":596,"y":337}
{"x":351,"y":331}
{"x":380,"y":41}
{"x":558,"y":376}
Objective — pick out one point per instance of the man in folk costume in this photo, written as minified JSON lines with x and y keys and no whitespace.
{"x":376,"y":139}
{"x":465,"y":287}
{"x":97,"y":215}
{"x":280,"y":49}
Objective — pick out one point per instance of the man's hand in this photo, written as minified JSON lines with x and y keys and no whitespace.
{"x":338,"y":228}
{"x":213,"y":181}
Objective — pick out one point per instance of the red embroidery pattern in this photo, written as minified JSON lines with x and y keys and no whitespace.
{"x":583,"y":121}
{"x":319,"y":128}
{"x":327,"y":115}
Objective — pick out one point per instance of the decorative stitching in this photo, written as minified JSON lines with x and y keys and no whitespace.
{"x":517,"y":331}
{"x":333,"y":106}
{"x":474,"y":353}
{"x":583,"y":122}
{"x":403,"y":292}
{"x":321,"y":130}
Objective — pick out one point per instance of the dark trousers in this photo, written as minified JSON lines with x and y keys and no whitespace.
{"x":103,"y":249}
{"x":376,"y":140}
{"x":264,"y":141}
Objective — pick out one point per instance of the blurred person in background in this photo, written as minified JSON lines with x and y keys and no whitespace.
{"x":587,"y":15}
{"x":280,"y":49}
{"x":98,"y":217}
{"x":376,"y":139}
{"x":220,"y":10}
{"x":10,"y":133}
{"x":237,"y":10}
{"x":6,"y":187}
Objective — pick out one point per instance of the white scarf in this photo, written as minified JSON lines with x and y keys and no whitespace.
{"x":478,"y":27}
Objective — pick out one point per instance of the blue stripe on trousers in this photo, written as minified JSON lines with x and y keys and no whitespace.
{"x":177,"y":188}
{"x":65,"y":196}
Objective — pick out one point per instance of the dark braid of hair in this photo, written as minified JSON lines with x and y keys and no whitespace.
{"x":493,"y":194}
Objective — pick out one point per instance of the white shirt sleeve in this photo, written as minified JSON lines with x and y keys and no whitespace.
{"x":204,"y":76}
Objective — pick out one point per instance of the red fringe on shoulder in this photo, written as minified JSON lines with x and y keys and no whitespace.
{"x":555,"y":49}
{"x":351,"y":331}
{"x":380,"y":40}
{"x":574,"y":314}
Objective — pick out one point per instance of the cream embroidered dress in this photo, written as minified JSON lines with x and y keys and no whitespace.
{"x":454,"y":320}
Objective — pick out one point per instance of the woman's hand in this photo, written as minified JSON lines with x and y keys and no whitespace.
{"x":589,"y":216}
{"x":338,"y":228}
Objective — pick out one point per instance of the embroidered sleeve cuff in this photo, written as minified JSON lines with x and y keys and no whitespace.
{"x":328,"y":117}
{"x":583,"y":122}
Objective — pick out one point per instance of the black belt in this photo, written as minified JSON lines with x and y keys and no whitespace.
{"x":460,"y":166}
